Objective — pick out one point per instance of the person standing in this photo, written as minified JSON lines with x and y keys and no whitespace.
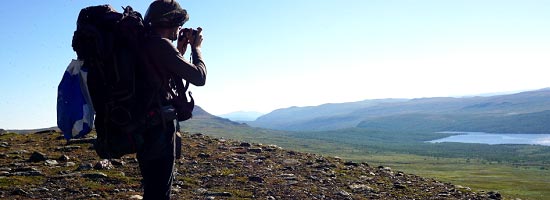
{"x":164,"y":19}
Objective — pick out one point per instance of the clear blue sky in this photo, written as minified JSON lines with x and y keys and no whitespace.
{"x":264,"y":55}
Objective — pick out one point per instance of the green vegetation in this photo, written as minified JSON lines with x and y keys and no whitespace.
{"x":520,"y":171}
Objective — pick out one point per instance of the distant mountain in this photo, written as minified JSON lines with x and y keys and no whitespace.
{"x":242,"y":115}
{"x":525,"y":112}
{"x":323,"y":117}
{"x":203,"y":121}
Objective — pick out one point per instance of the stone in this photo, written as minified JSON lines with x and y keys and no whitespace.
{"x":203,"y":155}
{"x":63,"y":158}
{"x":494,"y":195}
{"x":103,"y":164}
{"x":399,"y":185}
{"x":51,"y":162}
{"x":138,"y":197}
{"x":245,"y":144}
{"x":38,"y":157}
{"x":117,"y":162}
{"x":19,"y":191}
{"x":4,"y":144}
{"x":360,"y":187}
{"x":5,"y":169}
{"x":343,"y":193}
{"x":201,"y":191}
{"x":291,"y":162}
{"x":67,"y":148}
{"x":351,"y":163}
{"x":95,"y":175}
{"x":84,"y":166}
{"x":219,"y":194}
{"x":240,"y":150}
{"x":255,"y":179}
{"x":255,"y":150}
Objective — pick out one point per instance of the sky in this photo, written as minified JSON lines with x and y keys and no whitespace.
{"x":271,"y":54}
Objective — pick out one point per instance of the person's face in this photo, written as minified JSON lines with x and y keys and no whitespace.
{"x":174,"y":32}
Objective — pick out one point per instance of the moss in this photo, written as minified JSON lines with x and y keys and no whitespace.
{"x":8,"y":182}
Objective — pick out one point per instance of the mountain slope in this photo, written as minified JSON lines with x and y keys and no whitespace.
{"x":43,"y":166}
{"x":431,"y":113}
{"x":242,"y":116}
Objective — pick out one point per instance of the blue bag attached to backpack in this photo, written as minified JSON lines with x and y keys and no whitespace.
{"x":75,"y":114}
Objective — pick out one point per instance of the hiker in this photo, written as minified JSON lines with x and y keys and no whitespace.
{"x":164,"y":19}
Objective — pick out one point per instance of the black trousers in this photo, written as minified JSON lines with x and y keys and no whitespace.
{"x":156,"y":161}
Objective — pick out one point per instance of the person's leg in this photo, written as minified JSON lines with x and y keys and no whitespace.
{"x":157,"y":178}
{"x":156,"y":162}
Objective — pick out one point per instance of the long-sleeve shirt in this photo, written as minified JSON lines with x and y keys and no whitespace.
{"x":169,"y":63}
{"x":166,"y":57}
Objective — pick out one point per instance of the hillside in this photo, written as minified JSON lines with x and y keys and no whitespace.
{"x":524,"y":112}
{"x":43,"y":166}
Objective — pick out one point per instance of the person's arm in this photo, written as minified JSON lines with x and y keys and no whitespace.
{"x":171,"y":59}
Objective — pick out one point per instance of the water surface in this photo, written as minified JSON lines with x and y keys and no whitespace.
{"x":492,"y":138}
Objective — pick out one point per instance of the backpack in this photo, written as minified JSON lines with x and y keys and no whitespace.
{"x":119,"y":81}
{"x":75,"y":114}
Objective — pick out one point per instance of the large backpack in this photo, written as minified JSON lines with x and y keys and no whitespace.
{"x":108,"y":43}
{"x":120,"y":82}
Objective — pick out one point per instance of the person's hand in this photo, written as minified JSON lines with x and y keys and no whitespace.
{"x":183,"y":40}
{"x":196,"y":40}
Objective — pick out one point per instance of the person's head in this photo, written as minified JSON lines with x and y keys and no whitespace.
{"x":166,"y":17}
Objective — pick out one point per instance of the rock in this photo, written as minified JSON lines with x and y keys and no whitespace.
{"x":270,"y":198}
{"x":343,"y":193}
{"x":4,"y":144}
{"x":201,"y":191}
{"x":26,"y":171}
{"x":351,"y":163}
{"x":219,"y":194}
{"x":291,"y":162}
{"x":40,"y":189}
{"x":255,"y":179}
{"x":84,"y":166}
{"x":139,"y":197}
{"x":19,"y":191}
{"x":203,"y":155}
{"x":117,"y":162}
{"x":444,"y":194}
{"x":245,"y":144}
{"x":360,"y":187}
{"x":103,"y":164}
{"x":494,"y":195}
{"x":4,"y":173}
{"x":67,"y":148}
{"x":399,"y":185}
{"x":3,"y":155}
{"x":95,"y":175}
{"x":7,"y":169}
{"x":64,"y":158}
{"x":382,"y":168}
{"x":240,"y":150}
{"x":37,"y":157}
{"x":51,"y":163}
{"x":288,"y":176}
{"x":255,"y":150}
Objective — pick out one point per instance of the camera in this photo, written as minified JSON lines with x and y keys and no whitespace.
{"x":188,"y":33}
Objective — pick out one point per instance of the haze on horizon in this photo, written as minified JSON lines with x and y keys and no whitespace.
{"x":265,"y":55}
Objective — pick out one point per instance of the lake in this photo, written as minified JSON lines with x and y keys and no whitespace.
{"x":492,"y":138}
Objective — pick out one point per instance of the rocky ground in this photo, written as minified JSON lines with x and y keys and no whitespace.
{"x":44,"y":166}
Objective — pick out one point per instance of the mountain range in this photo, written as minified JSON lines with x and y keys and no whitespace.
{"x":524,"y":112}
{"x":242,"y":115}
